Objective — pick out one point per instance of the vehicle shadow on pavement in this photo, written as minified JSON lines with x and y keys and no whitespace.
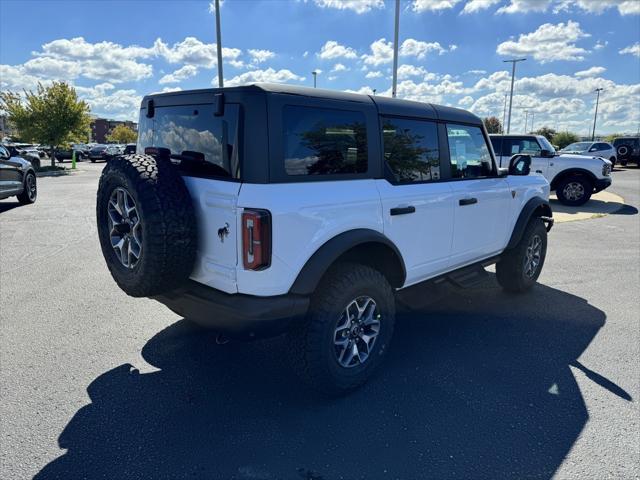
{"x":595,"y":206}
{"x":6,"y":206}
{"x":477,"y":385}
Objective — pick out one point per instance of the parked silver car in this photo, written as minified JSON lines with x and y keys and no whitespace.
{"x":592,"y":149}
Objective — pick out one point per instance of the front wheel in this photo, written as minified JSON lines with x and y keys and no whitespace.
{"x":347,"y":330}
{"x":519,"y":268}
{"x":574,"y":191}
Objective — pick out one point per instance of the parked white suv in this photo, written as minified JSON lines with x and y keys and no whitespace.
{"x":574,"y":178}
{"x":267,"y":209}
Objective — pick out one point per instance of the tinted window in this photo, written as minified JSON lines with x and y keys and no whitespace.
{"x":200,"y":142}
{"x":319,"y":141}
{"x":4,"y":152}
{"x":470,"y":157}
{"x":411,"y":149}
{"x":601,"y":146}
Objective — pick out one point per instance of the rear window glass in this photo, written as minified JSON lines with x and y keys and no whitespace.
{"x":200,"y":142}
{"x":322,"y":141}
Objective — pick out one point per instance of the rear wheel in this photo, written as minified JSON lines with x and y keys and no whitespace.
{"x":30,"y":191}
{"x":347,"y":330}
{"x":574,"y":190}
{"x":519,"y":268}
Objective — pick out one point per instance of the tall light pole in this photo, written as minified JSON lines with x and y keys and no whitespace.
{"x":504,"y":112}
{"x":526,"y":120}
{"x":219,"y":44}
{"x":513,"y":75}
{"x":395,"y":50}
{"x":315,"y":75}
{"x":595,"y":117}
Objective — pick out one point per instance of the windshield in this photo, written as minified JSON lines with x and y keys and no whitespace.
{"x":578,"y":146}
{"x":200,"y":142}
{"x":544,"y":143}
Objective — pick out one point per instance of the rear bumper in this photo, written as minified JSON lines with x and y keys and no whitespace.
{"x":602,"y":183}
{"x":237,"y":315}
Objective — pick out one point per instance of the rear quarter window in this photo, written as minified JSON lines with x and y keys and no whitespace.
{"x":322,"y":141}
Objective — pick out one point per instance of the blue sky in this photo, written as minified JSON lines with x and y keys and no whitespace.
{"x":114,"y":52}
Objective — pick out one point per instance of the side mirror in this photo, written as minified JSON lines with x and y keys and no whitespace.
{"x":546,"y":153}
{"x":520,"y":165}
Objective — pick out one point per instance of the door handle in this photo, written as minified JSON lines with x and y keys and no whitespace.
{"x":467,"y":201}
{"x":538,"y":171}
{"x":402,"y":210}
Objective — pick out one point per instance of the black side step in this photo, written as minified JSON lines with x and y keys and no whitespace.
{"x":468,"y":277}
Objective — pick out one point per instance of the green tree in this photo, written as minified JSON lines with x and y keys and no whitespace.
{"x":52,"y":115}
{"x":492,"y":124}
{"x":562,"y":139}
{"x":122,"y":134}
{"x":610,"y":138}
{"x":546,"y":132}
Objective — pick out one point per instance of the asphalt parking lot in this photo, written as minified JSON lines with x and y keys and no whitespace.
{"x":478,"y":384}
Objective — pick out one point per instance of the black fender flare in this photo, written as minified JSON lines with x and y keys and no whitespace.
{"x":318,"y":264}
{"x":528,"y":211}
{"x":572,"y":171}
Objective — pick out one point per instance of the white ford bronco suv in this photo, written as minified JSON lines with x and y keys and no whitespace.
{"x":267,"y":209}
{"x":574,"y":178}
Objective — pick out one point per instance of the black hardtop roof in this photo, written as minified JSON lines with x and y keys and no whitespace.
{"x":385,"y":105}
{"x":515,"y":135}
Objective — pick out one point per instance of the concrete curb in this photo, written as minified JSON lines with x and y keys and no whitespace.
{"x":600,"y":205}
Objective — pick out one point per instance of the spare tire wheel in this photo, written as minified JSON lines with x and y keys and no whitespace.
{"x":623,"y":151}
{"x":146,"y":225}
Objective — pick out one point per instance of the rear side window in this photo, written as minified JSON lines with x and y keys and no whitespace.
{"x":322,"y":141}
{"x":199,"y":142}
{"x":470,"y":157}
{"x":411,"y":149}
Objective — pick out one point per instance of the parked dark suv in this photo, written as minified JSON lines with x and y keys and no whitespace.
{"x":628,"y":150}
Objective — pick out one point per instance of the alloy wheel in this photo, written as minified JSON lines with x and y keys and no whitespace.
{"x":356,"y":332}
{"x":532,"y":256}
{"x":125,"y":227}
{"x":32,"y":189}
{"x":573,"y":191}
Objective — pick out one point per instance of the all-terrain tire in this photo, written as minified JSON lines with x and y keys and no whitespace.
{"x":511,"y":269}
{"x":570,"y":184}
{"x":168,"y":224}
{"x":311,"y":344}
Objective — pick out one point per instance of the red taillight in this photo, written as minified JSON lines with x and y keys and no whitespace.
{"x":256,"y":239}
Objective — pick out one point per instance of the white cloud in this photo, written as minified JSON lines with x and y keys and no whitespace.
{"x":631,"y":50}
{"x":625,"y":7}
{"x":339,"y":67}
{"x":381,"y":53}
{"x":548,"y":43}
{"x":179,"y":75}
{"x":477,"y":72}
{"x":373,"y":74}
{"x":590,"y":72}
{"x":466,"y":102}
{"x":193,"y":51}
{"x":14,"y":78}
{"x":97,"y":61}
{"x":332,"y":49}
{"x":358,"y":6}
{"x":474,"y":6}
{"x":407,"y":71}
{"x":305,"y":54}
{"x":433,"y":5}
{"x":600,"y":45}
{"x":420,"y":49}
{"x":268,"y":75}
{"x":260,"y":56}
{"x":107,"y":101}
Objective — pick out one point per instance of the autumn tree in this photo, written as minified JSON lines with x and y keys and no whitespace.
{"x":122,"y":134}
{"x":492,"y":124}
{"x":52,"y":115}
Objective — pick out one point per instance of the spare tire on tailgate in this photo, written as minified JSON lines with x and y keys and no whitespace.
{"x":146,"y":224}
